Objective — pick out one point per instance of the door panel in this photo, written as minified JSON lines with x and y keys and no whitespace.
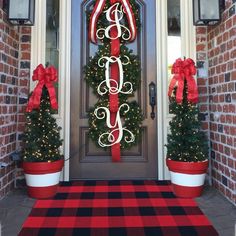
{"x":87,"y":160}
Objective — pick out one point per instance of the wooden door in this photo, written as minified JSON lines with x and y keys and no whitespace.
{"x":88,"y":161}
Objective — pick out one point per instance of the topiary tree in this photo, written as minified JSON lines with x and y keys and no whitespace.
{"x":42,"y":134}
{"x":186,"y":141}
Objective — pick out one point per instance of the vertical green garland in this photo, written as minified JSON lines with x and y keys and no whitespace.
{"x":94,"y":75}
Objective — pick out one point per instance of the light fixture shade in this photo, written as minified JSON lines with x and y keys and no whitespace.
{"x":206,"y":12}
{"x":21,"y":12}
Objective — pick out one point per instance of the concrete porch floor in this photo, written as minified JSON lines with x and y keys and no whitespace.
{"x":15,"y":208}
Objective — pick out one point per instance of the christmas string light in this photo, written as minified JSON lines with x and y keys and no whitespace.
{"x":129,"y":82}
{"x":41,"y":144}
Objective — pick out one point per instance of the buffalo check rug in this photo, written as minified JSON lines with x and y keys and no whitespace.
{"x":116,"y":208}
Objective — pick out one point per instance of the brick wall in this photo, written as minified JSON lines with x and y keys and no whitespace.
{"x":14,"y":81}
{"x":23,"y":85}
{"x":216,"y":49}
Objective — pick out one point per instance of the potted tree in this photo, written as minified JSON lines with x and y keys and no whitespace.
{"x":187,"y":147}
{"x":42,"y":161}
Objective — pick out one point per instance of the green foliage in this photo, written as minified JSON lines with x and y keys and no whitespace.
{"x":94,"y":74}
{"x":131,"y":121}
{"x":42,"y":134}
{"x":186,"y":141}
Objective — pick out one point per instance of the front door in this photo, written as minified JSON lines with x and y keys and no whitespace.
{"x":87,"y":161}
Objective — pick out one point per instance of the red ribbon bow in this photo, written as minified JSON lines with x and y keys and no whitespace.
{"x":46,"y":77}
{"x":184,"y":69}
{"x":98,"y":8}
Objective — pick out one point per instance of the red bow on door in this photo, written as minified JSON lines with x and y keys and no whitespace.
{"x":46,"y":77}
{"x":98,"y":8}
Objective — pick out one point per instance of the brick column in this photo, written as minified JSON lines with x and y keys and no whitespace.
{"x":23,"y":86}
{"x":221,"y":54}
{"x":14,"y":90}
{"x":9,"y":60}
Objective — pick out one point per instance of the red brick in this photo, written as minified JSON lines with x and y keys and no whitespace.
{"x":201,"y":30}
{"x":26,"y":30}
{"x":230,"y":163}
{"x":202,"y":90}
{"x":225,"y":36}
{"x":232,"y":32}
{"x":201,"y":81}
{"x":222,"y":189}
{"x":230,"y":65}
{"x":25,"y":56}
{"x":201,"y":47}
{"x":232,"y":108}
{"x":233,"y":175}
{"x":228,"y":193}
{"x":203,"y":99}
{"x":233,"y":54}
{"x":233,"y":131}
{"x":211,"y":53}
{"x":229,"y":45}
{"x":233,"y":152}
{"x":217,"y":137}
{"x":25,"y":47}
{"x":203,"y":108}
{"x":219,"y":39}
{"x":226,"y":56}
{"x":228,"y":24}
{"x":1,"y":46}
{"x":221,"y":148}
{"x":21,"y":118}
{"x":212,"y":71}
{"x":24,"y":82}
{"x":204,"y":126}
{"x":227,"y":129}
{"x":223,"y":139}
{"x":233,"y":75}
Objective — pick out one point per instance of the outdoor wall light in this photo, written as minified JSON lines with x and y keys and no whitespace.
{"x":21,"y":12}
{"x":207,"y":12}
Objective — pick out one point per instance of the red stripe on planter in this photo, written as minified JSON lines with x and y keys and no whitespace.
{"x":187,"y":192}
{"x":187,"y":167}
{"x":42,"y":192}
{"x":42,"y":167}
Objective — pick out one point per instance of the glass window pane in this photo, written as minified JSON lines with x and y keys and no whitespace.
{"x":174,"y":33}
{"x":52,"y":33}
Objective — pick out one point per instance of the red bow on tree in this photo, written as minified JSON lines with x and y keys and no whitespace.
{"x":98,"y":8}
{"x":184,"y":69}
{"x":46,"y":77}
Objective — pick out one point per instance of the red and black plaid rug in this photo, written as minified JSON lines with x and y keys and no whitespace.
{"x":116,"y":208}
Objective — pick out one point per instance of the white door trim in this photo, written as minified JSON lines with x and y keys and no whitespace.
{"x":188,"y":47}
{"x":38,"y":44}
{"x":65,"y":61}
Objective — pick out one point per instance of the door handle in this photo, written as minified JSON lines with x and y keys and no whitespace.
{"x":152,"y":98}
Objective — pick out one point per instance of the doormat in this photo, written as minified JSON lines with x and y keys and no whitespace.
{"x":116,"y":208}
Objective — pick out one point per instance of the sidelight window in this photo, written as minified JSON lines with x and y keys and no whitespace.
{"x":52,"y":33}
{"x":174,"y":32}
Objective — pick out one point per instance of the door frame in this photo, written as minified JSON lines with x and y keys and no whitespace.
{"x":188,"y":38}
